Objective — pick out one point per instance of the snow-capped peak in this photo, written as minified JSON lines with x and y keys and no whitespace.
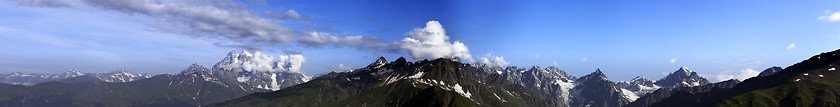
{"x":599,"y":74}
{"x":640,"y":78}
{"x":72,"y":73}
{"x":121,"y":75}
{"x":684,"y":70}
{"x":378,"y":63}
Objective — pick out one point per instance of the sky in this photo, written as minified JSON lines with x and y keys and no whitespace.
{"x":718,"y":39}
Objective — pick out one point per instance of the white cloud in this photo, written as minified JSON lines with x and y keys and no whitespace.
{"x":47,"y":3}
{"x":537,"y":56}
{"x":555,"y":63}
{"x":432,"y":42}
{"x":584,"y":59}
{"x":833,"y":17}
{"x":489,"y":59}
{"x":742,"y":75}
{"x":225,"y":20}
{"x":664,"y":73}
{"x":791,"y":46}
{"x":340,"y":67}
{"x":673,"y":60}
{"x":259,"y":62}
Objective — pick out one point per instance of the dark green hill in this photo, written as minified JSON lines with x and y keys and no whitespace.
{"x":796,"y":85}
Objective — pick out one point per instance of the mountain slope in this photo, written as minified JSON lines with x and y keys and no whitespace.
{"x":639,"y":85}
{"x":660,"y":95}
{"x":682,"y":78}
{"x":788,"y":86}
{"x":769,"y":71}
{"x":818,"y":86}
{"x":595,"y":90}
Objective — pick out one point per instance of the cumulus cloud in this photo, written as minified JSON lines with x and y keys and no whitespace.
{"x":432,"y":42}
{"x":340,"y":67}
{"x":225,"y":20}
{"x":259,"y":62}
{"x":289,"y":15}
{"x":742,"y":75}
{"x":673,"y":60}
{"x":833,"y":17}
{"x":489,"y":59}
{"x":47,"y":3}
{"x":791,"y":46}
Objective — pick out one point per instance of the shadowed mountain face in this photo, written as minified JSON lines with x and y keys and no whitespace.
{"x":682,"y":78}
{"x":595,"y":90}
{"x":770,"y":71}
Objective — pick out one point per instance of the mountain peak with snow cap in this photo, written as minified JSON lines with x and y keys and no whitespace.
{"x":682,"y":78}
{"x":378,"y":63}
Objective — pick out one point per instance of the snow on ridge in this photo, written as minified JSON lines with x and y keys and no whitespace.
{"x":243,"y":79}
{"x":457,"y":87}
{"x":418,"y":75}
{"x":629,"y":95}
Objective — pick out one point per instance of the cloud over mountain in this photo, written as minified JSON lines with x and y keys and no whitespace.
{"x":494,"y":60}
{"x":432,"y":42}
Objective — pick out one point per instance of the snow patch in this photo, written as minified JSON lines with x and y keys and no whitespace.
{"x":243,"y":79}
{"x":418,"y":75}
{"x":629,"y":95}
{"x":457,"y":88}
{"x":821,"y":75}
{"x":500,"y":98}
{"x":274,"y":86}
{"x":831,"y":69}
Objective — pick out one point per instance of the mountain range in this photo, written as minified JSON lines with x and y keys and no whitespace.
{"x":234,"y":81}
{"x":447,"y":82}
{"x":194,"y":86}
{"x":121,"y":75}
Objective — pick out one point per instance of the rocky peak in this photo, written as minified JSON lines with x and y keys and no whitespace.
{"x":640,"y":79}
{"x":683,"y":70}
{"x":195,"y":68}
{"x":682,"y":78}
{"x":378,"y":63}
{"x":770,"y":71}
{"x":72,"y":73}
{"x":597,"y":74}
{"x":400,"y":60}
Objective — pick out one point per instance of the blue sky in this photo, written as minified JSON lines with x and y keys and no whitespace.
{"x":719,"y":39}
